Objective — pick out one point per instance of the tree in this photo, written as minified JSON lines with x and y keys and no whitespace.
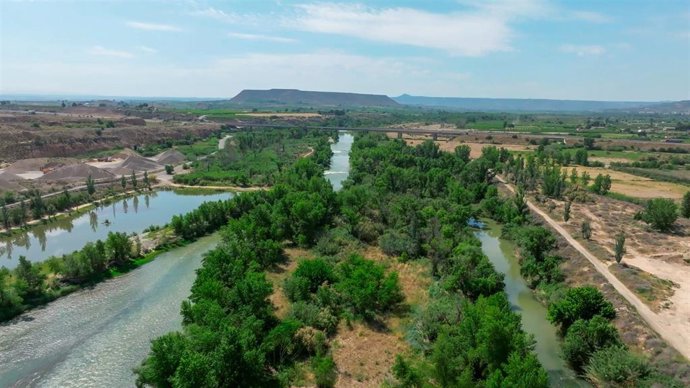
{"x":579,"y":303}
{"x":586,"y":230}
{"x":619,"y":247}
{"x":602,"y":184}
{"x":5,"y":217}
{"x":586,"y":337}
{"x":169,"y":169}
{"x":581,"y":157}
{"x":573,"y":176}
{"x":118,"y":248}
{"x":566,"y":211}
{"x":589,"y":143}
{"x":29,"y":280}
{"x":90,"y":185}
{"x":146,"y":181}
{"x":685,"y":206}
{"x":123,"y":182}
{"x":133,"y":179}
{"x":585,"y":178}
{"x":661,"y":213}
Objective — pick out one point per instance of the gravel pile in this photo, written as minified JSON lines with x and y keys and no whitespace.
{"x":77,"y":172}
{"x":170,"y":157}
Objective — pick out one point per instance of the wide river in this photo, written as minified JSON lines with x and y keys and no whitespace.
{"x":129,"y":215}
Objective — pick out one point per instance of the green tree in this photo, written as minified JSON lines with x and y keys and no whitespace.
{"x":29,"y":279}
{"x":579,"y":303}
{"x":146,"y":181}
{"x":589,"y":143}
{"x":169,"y":169}
{"x":661,"y":213}
{"x":586,"y":337}
{"x":585,"y":178}
{"x":685,"y":205}
{"x":573,"y":176}
{"x":118,"y":248}
{"x":133,"y":179}
{"x":586,"y":230}
{"x":366,"y":288}
{"x":519,"y":371}
{"x":602,"y":184}
{"x":581,"y":157}
{"x":90,"y":185}
{"x":566,"y":211}
{"x":619,"y":247}
{"x":463,"y":152}
{"x":123,"y":182}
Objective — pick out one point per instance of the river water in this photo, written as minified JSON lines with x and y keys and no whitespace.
{"x":501,"y":253}
{"x":94,"y":337}
{"x":340,"y":162}
{"x":129,"y":215}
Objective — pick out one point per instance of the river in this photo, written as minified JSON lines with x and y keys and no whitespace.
{"x":130,"y":215}
{"x":501,"y":253}
{"x":94,"y":337}
{"x":340,"y":161}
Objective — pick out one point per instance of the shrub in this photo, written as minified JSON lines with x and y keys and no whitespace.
{"x":615,"y":366}
{"x":366,"y":288}
{"x":308,"y":277}
{"x":325,"y":371}
{"x":580,"y":303}
{"x":661,"y":213}
{"x":586,"y":337}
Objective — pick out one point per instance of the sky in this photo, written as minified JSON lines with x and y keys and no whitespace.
{"x":630,"y":50}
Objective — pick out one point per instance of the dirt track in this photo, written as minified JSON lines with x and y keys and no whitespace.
{"x":672,"y":332}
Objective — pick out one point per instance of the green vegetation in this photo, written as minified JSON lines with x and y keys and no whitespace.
{"x":619,"y":247}
{"x":685,"y":205}
{"x":254,"y":158}
{"x":660,"y":213}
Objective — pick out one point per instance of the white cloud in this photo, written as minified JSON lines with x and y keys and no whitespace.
{"x":583,"y":50}
{"x":482,"y":29}
{"x":102,"y":51}
{"x":267,"y":38}
{"x":152,"y":26}
{"x":590,"y":16}
{"x":218,"y":14}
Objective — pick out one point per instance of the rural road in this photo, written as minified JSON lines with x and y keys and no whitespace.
{"x":664,"y":328}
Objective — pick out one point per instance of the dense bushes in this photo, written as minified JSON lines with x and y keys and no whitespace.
{"x":661,"y":213}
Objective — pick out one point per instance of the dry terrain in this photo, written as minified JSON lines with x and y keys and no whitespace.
{"x":364,"y":352}
{"x":636,"y":186}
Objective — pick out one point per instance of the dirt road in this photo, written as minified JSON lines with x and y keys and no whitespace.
{"x":671,"y":332}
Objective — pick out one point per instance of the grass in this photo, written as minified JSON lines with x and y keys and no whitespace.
{"x":652,"y":290}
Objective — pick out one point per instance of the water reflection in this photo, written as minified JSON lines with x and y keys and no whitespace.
{"x":68,"y":234}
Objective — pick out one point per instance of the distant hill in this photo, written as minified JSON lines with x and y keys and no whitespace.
{"x":294,"y":97}
{"x":519,"y":105}
{"x":682,"y":107}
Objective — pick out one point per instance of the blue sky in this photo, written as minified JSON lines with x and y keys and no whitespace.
{"x":599,"y":50}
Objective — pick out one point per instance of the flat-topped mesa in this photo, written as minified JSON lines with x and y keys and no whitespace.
{"x":294,"y":97}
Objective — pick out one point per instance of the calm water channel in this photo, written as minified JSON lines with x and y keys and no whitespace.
{"x":340,"y":162}
{"x":502,"y":254}
{"x":133,"y":214}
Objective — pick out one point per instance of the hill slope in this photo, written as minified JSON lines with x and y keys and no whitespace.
{"x":294,"y":97}
{"x":519,"y":105}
